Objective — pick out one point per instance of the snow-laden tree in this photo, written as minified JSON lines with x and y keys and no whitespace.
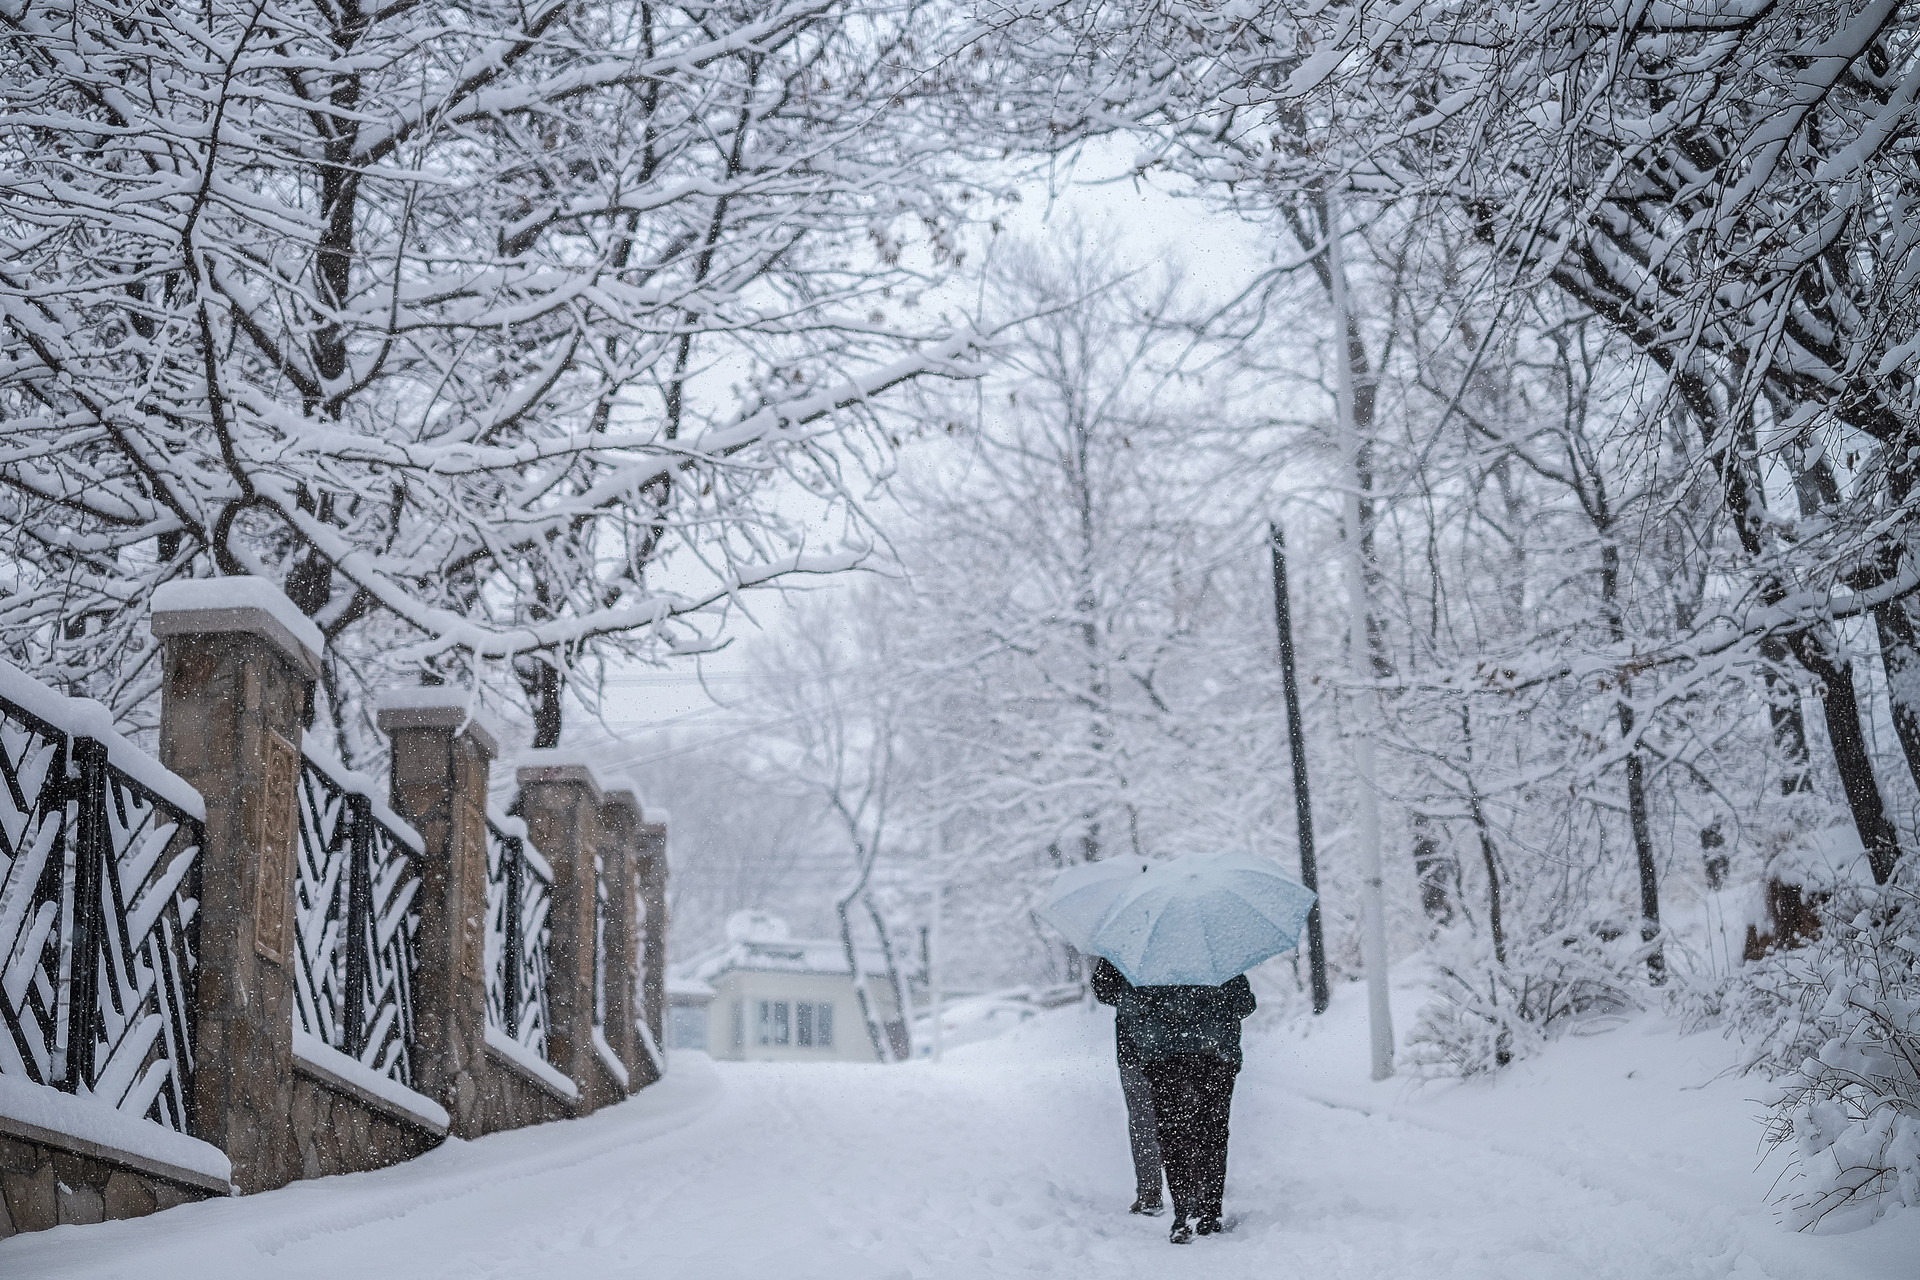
{"x":1062,"y":542}
{"x":486,"y":330}
{"x":1725,"y":183}
{"x":1542,"y":507}
{"x":1728,"y":187}
{"x":1840,"y":1032}
{"x":1024,"y":689}
{"x":727,"y":854}
{"x":1063,"y":537}
{"x":1550,"y":534}
{"x":1541,"y":524}
{"x":839,"y":697}
{"x":1078,"y":649}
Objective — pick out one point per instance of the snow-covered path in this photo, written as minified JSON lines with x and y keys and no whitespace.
{"x":1007,"y":1160}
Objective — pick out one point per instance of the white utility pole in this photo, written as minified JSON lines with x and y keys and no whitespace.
{"x":933,"y":961}
{"x":1373,"y":919}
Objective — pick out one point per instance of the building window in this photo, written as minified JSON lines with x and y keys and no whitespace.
{"x":823,"y":1025}
{"x":739,"y":1021}
{"x":775,"y":1024}
{"x":803,"y":1025}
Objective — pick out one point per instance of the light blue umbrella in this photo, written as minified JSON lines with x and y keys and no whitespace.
{"x":1201,"y":919}
{"x":1082,"y":894}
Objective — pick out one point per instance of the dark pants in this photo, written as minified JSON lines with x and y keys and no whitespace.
{"x":1192,"y":1095}
{"x":1140,"y":1131}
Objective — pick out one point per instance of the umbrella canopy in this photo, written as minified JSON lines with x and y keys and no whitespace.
{"x":1200,"y":920}
{"x":1082,"y":894}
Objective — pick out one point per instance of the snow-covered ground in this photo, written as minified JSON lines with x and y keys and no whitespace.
{"x":1620,"y":1155}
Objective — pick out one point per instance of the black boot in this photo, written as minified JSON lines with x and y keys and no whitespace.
{"x":1180,"y":1232}
{"x":1148,"y":1205}
{"x":1209,"y":1225}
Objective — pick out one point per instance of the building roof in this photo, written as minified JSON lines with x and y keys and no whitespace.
{"x":691,"y":988}
{"x":759,"y":942}
{"x":786,"y":955}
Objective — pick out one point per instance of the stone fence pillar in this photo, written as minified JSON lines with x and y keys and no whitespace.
{"x":651,"y":889}
{"x":620,"y":827}
{"x":238,"y":673}
{"x":560,"y":801}
{"x":440,"y":767}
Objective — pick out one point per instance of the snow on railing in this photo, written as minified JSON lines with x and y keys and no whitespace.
{"x":99,"y":872}
{"x":355,"y":919}
{"x":519,"y":893}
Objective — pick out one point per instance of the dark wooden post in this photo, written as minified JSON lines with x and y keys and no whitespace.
{"x":238,"y":673}
{"x":440,"y":770}
{"x":1296,"y":739}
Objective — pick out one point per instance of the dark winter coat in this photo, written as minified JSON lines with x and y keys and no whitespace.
{"x":1164,"y":1021}
{"x":1109,"y":985}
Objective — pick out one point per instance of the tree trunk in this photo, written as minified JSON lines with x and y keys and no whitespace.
{"x":1297,"y":746}
{"x":541,"y":681}
{"x":1818,"y":492}
{"x":1643,"y":858}
{"x":876,"y":1034}
{"x":899,"y":1032}
{"x":1495,"y":921}
{"x":1900,"y":657}
{"x":1841,"y":703}
{"x":1789,"y":724}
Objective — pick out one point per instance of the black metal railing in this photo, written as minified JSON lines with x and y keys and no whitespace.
{"x":355,"y":922}
{"x":599,"y":944}
{"x":519,"y":893}
{"x":99,"y":897}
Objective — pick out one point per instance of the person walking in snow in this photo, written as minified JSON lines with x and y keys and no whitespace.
{"x":1188,"y":1042}
{"x":1109,"y":985}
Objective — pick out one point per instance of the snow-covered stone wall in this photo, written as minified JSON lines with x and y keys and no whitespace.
{"x":272,"y":1100}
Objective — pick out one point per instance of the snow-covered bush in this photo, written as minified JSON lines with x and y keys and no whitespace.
{"x":1491,"y":1012}
{"x":1841,"y":1040}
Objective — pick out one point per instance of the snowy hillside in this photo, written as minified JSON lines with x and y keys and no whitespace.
{"x":1655,"y":1123}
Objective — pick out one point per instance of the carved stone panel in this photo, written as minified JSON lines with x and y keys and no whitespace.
{"x":273,"y":902}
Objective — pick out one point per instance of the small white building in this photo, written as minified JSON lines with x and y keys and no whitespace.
{"x":767,"y":997}
{"x":687,"y":1002}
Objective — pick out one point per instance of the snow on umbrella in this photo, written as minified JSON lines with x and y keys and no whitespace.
{"x":1200,"y":920}
{"x":1082,"y":894}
